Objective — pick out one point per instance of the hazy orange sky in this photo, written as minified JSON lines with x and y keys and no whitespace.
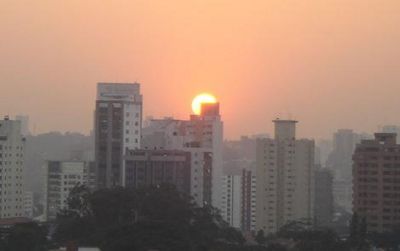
{"x":328,"y":63}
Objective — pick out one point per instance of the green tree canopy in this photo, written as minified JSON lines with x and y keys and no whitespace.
{"x":155,"y":217}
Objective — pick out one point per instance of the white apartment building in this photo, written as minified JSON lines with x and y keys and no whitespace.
{"x":284,"y":178}
{"x":231,"y":208}
{"x":12,"y":145}
{"x":61,"y":178}
{"x":28,"y":204}
{"x":206,"y":130}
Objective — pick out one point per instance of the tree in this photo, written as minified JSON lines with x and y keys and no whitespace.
{"x":354,"y":228}
{"x":26,"y":237}
{"x":358,"y":233}
{"x":276,"y":247}
{"x":307,"y":238}
{"x":389,"y":240}
{"x":154,"y":217}
{"x":260,"y":237}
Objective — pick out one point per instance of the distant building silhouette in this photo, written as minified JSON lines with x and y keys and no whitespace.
{"x":376,"y":182}
{"x":24,"y":124}
{"x":248,"y":207}
{"x":155,"y":167}
{"x":323,"y":202}
{"x":340,"y":163}
{"x":392,"y":129}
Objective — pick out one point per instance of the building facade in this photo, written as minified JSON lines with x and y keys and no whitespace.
{"x":202,"y":136}
{"x":376,"y":182}
{"x":28,"y":204}
{"x":392,"y":129}
{"x":248,"y":206}
{"x":118,"y":125}
{"x":12,"y":145}
{"x":61,"y":178}
{"x":340,"y":163}
{"x":206,"y":131}
{"x":232,"y":200}
{"x":155,"y":167}
{"x":24,"y":124}
{"x":284,"y":178}
{"x":323,"y":204}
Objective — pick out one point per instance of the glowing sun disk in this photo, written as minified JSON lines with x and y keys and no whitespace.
{"x":200,"y":99}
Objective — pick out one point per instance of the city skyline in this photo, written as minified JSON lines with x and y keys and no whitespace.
{"x":200,"y":125}
{"x":319,"y":63}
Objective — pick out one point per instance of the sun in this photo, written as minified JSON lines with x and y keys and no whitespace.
{"x":200,"y":99}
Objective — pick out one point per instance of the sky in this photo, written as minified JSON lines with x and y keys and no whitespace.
{"x":328,"y":63}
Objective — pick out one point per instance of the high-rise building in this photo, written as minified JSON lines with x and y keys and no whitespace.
{"x":206,"y":131}
{"x":392,"y":129}
{"x":24,"y":124}
{"x":340,"y":163}
{"x":248,"y":206}
{"x":28,"y":204}
{"x":201,"y":175}
{"x":323,"y":203}
{"x":239,"y":198}
{"x":238,"y":194}
{"x":202,"y":136}
{"x":284,"y":178}
{"x":324,"y":149}
{"x":232,"y":200}
{"x":61,"y":178}
{"x":155,"y":167}
{"x":376,"y":182}
{"x":12,"y":145}
{"x":172,"y":134}
{"x":118,"y":123}
{"x":340,"y":160}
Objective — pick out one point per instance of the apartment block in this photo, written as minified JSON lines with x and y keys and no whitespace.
{"x":61,"y":178}
{"x":284,"y":178}
{"x":12,"y":145}
{"x":376,"y":182}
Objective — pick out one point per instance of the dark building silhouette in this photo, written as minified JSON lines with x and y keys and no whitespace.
{"x":155,"y":167}
{"x":323,"y":202}
{"x":376,"y":182}
{"x":248,"y":217}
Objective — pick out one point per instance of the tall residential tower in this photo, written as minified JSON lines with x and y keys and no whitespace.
{"x":376,"y":182}
{"x":284,"y":178}
{"x":12,"y":145}
{"x":118,"y":123}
